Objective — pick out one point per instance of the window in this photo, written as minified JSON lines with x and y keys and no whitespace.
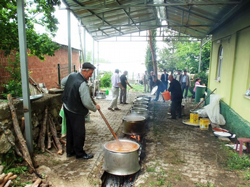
{"x":220,"y":58}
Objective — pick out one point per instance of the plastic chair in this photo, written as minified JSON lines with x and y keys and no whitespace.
{"x":241,"y":141}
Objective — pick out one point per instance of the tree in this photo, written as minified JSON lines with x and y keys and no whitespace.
{"x":148,"y":58}
{"x":37,"y":11}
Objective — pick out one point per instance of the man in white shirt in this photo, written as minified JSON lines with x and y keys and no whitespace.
{"x":185,"y":83}
{"x":116,"y":84}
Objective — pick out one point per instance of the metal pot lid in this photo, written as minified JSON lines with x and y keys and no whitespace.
{"x":142,"y":98}
{"x":133,"y":118}
{"x":140,"y":106}
{"x":139,"y":109}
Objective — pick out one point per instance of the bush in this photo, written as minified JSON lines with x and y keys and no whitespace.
{"x":106,"y":80}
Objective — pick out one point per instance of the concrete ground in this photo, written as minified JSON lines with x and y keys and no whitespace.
{"x":176,"y":154}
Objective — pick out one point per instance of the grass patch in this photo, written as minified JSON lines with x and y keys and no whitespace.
{"x":150,"y":169}
{"x":136,"y":88}
{"x":204,"y":185}
{"x":235,"y":162}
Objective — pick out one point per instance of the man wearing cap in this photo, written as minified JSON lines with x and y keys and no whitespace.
{"x":164,"y":79}
{"x":76,"y":104}
{"x":116,"y":84}
{"x":124,"y":83}
{"x":185,"y":83}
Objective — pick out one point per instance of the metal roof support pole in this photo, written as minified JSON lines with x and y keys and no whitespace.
{"x":93,"y":57}
{"x":84,"y":45}
{"x":24,"y":73}
{"x":199,"y":69}
{"x":69,"y":42}
{"x":98,"y":64}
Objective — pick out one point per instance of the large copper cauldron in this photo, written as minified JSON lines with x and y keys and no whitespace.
{"x":119,"y":160}
{"x":134,"y":125}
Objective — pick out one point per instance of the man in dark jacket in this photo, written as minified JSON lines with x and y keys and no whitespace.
{"x":164,"y":79}
{"x":76,"y":104}
{"x":176,"y":97}
{"x":161,"y":88}
{"x":124,"y":83}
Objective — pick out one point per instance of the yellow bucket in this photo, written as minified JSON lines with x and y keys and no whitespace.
{"x":194,"y":118}
{"x":204,"y":123}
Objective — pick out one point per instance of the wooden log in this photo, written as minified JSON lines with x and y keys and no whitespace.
{"x":13,"y":177}
{"x":48,"y":137}
{"x":23,"y":125}
{"x":6,"y":178}
{"x":37,"y":182}
{"x":2,"y":176}
{"x":8,"y":183}
{"x":44,"y":185}
{"x":23,"y":145}
{"x":43,"y":131}
{"x":54,"y":134}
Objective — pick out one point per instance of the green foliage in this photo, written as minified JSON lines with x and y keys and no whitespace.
{"x":11,"y":161}
{"x":183,"y":55}
{"x":37,"y":11}
{"x":106,"y":80}
{"x":136,"y":88}
{"x":203,"y":76}
{"x":235,"y":162}
{"x":13,"y":86}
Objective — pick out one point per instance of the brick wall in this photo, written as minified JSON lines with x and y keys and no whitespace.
{"x":46,"y":71}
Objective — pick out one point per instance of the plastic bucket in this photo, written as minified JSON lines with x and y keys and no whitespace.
{"x":204,"y":123}
{"x":166,"y":95}
{"x":199,"y":93}
{"x":107,"y":92}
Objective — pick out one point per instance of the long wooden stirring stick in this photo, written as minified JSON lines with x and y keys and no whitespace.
{"x":103,"y":117}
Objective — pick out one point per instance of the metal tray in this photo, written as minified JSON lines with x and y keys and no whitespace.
{"x":187,"y":122}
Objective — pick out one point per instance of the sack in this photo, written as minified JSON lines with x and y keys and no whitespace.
{"x":213,"y":110}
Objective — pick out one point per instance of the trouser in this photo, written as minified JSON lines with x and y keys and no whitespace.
{"x":146,"y":87}
{"x":151,"y":85}
{"x":75,"y":124}
{"x":123,"y":96}
{"x":184,"y":88}
{"x":115,"y":94}
{"x":176,"y":106}
{"x":157,"y":96}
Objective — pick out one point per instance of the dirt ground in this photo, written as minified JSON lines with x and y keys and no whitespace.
{"x":176,"y":154}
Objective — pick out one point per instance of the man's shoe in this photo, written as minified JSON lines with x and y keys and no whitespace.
{"x":111,"y":109}
{"x":125,"y":103}
{"x":117,"y":109}
{"x":87,"y":156}
{"x":121,"y":102}
{"x":71,"y":154}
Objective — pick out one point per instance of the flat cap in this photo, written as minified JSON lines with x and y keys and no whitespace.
{"x":88,"y":65}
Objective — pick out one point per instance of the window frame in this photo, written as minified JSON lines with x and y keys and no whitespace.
{"x":219,"y":63}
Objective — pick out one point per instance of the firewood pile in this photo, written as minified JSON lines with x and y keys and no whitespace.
{"x":6,"y":179}
{"x":47,"y":132}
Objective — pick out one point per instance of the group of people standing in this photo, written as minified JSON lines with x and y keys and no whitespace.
{"x":119,"y":82}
